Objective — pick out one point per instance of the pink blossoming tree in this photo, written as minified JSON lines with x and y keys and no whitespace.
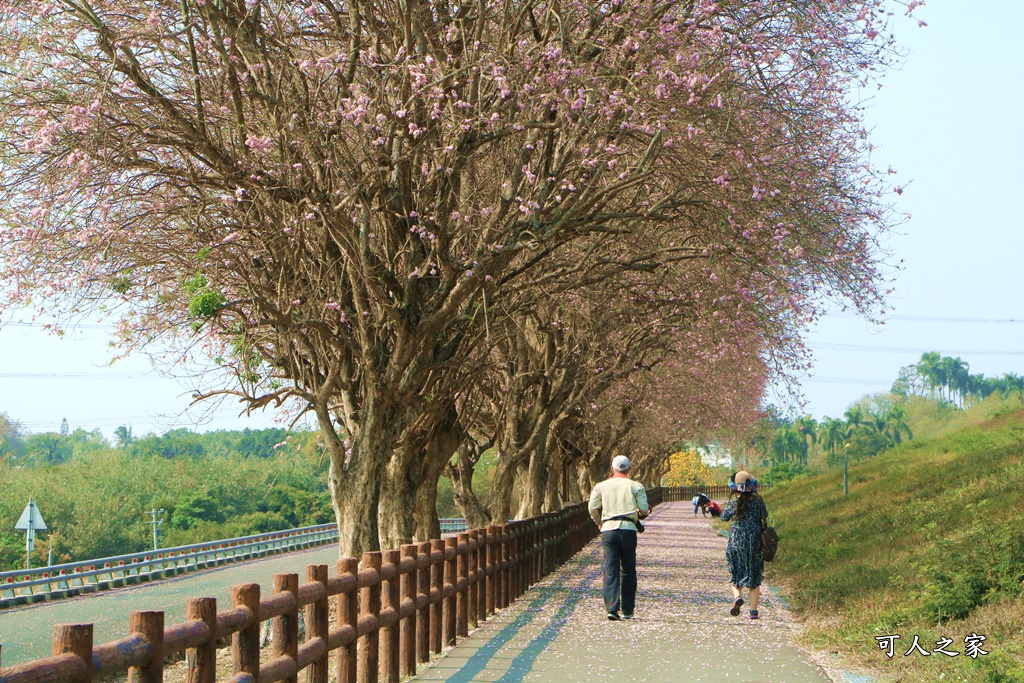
{"x":320,"y":194}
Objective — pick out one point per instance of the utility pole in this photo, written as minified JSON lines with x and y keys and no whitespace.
{"x":846,"y":469}
{"x":156,"y":526}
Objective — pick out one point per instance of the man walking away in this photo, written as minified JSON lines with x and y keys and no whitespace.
{"x":617,"y":504}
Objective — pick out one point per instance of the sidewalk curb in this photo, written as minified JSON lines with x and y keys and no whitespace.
{"x":838,"y":675}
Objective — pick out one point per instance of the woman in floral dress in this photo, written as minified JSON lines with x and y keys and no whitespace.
{"x":749,"y":515}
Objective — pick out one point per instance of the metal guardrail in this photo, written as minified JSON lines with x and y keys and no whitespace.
{"x":67,"y":580}
{"x":453,"y":525}
{"x":456,"y":525}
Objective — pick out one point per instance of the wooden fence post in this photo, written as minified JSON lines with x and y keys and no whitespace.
{"x":410,"y":583}
{"x":526,"y":550}
{"x":390,"y":635}
{"x":493,"y":568}
{"x":450,"y":544}
{"x":347,"y":615}
{"x":544,"y":541}
{"x":75,"y":639}
{"x":423,"y":615}
{"x":245,"y":644}
{"x":437,"y":577}
{"x":369,"y":605}
{"x":522,"y":557}
{"x":317,"y":624}
{"x":202,"y":660}
{"x":543,"y":533}
{"x":481,"y":576}
{"x":150,"y":625}
{"x":286,"y":626}
{"x":538,"y":545}
{"x":472,"y":579}
{"x":462,"y":577}
{"x":513,"y":562}
{"x":505,"y":549}
{"x":523,"y":551}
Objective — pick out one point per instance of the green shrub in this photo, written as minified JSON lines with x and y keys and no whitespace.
{"x":785,"y":471}
{"x":981,"y":563}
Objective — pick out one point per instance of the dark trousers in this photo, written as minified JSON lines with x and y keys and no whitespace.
{"x":619,"y":569}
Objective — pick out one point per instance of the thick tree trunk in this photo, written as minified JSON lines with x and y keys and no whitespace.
{"x":395,"y":519}
{"x":584,"y":481}
{"x":408,"y":496}
{"x":354,"y":494}
{"x":533,"y":484}
{"x":460,"y":473}
{"x":553,"y":496}
{"x":355,"y":473}
{"x":502,"y":489}
{"x":426,"y":524}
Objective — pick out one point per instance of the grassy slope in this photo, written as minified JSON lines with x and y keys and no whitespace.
{"x":930,"y":529}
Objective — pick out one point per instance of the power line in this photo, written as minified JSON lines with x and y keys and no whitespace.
{"x":178,"y":419}
{"x":119,"y":374}
{"x":72,"y":326}
{"x":935,"y":319}
{"x":849,"y":380}
{"x":827,"y":346}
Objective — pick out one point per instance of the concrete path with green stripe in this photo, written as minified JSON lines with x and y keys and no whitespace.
{"x":557,"y":632}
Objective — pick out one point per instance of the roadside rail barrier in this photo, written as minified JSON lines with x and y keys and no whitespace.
{"x":453,"y":525}
{"x":24,"y":587}
{"x":394,"y":608}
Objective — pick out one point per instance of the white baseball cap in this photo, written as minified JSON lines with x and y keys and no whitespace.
{"x":620,"y":463}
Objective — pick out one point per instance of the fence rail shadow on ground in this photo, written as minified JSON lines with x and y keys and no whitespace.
{"x":394,"y":609}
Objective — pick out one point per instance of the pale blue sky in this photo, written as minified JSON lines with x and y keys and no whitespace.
{"x":949,"y":121}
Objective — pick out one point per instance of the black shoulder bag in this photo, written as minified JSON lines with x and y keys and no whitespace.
{"x":769,"y":541}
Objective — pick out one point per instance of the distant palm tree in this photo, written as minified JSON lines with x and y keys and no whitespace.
{"x":807,"y":427}
{"x":895,"y":421}
{"x":855,"y":420}
{"x":956,"y":373}
{"x":1013,"y":383}
{"x":929,"y":368}
{"x":124,"y":436}
{"x":832,"y":434}
{"x":789,"y":445}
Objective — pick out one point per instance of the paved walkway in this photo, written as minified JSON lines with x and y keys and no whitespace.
{"x":557,"y":632}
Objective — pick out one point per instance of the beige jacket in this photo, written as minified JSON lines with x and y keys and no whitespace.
{"x":618,"y":496}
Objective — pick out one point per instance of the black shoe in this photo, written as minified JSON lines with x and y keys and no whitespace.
{"x":613,"y":616}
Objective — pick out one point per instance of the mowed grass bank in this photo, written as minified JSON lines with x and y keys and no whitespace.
{"x":929,"y":542}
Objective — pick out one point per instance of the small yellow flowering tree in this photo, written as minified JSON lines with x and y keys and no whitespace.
{"x":685,"y":468}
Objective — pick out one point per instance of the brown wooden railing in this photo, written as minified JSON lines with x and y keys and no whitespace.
{"x":686,"y":493}
{"x":394,"y":609}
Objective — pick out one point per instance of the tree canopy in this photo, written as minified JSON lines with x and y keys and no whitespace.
{"x":364,"y":211}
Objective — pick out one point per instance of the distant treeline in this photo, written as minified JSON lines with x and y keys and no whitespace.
{"x":18,"y":447}
{"x":950,"y":379}
{"x":927,"y":399}
{"x":94,"y":495}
